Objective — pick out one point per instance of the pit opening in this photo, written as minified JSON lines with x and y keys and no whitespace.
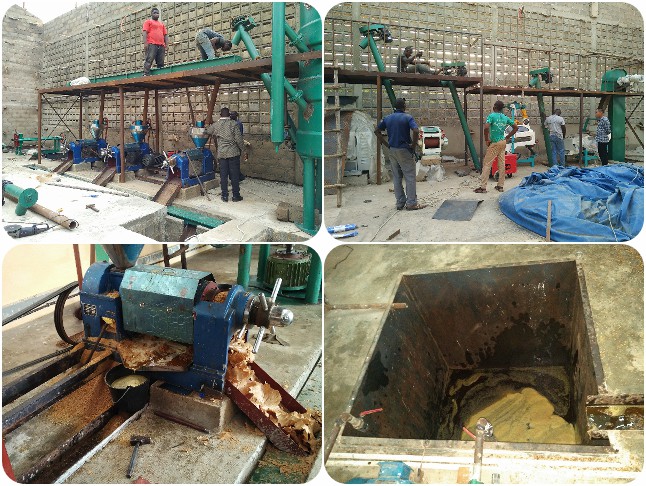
{"x":469,"y":341}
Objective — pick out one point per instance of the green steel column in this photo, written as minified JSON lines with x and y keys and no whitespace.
{"x":309,"y":219}
{"x":318,"y":178}
{"x":263,"y":256}
{"x":277,"y":100}
{"x":25,"y":198}
{"x":310,"y":122}
{"x":546,"y":132}
{"x":617,"y":117}
{"x":463,"y":122}
{"x":313,"y":289}
{"x":388,"y":84}
{"x":244,"y":264}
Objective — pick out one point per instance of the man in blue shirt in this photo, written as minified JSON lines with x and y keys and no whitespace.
{"x":398,"y":126}
{"x":603,"y":136}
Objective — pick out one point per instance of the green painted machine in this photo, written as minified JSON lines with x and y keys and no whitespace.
{"x":308,"y":96}
{"x":616,"y":112}
{"x":536,"y":76}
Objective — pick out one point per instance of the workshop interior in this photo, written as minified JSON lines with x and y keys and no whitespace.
{"x":93,"y":144}
{"x":161,"y":363}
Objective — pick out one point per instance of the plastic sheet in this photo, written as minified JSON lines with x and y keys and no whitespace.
{"x":598,"y":204}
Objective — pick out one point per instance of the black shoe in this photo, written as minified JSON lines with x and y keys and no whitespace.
{"x":225,"y":198}
{"x":242,"y":177}
{"x":236,"y":198}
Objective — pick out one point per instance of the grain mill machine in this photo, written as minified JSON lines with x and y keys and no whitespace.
{"x":196,"y":165}
{"x":124,"y":302}
{"x":136,"y":151}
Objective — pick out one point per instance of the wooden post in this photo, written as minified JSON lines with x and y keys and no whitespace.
{"x":379,"y":117}
{"x":122,"y":136}
{"x":79,"y":270}
{"x":145,"y":113}
{"x":580,"y":129}
{"x":101,"y":108}
{"x":40,"y":126}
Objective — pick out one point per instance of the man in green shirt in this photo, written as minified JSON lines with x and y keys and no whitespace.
{"x":494,"y":133}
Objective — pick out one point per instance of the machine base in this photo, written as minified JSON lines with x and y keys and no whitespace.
{"x":212,"y":412}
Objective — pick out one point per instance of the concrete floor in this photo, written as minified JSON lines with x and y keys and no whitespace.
{"x":369,"y":274}
{"x":132,"y":216}
{"x":228,"y":459}
{"x":372,"y":209}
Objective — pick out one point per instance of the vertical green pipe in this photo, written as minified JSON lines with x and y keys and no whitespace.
{"x":263,"y":256}
{"x":546,"y":132}
{"x":388,"y":84}
{"x":309,"y":220}
{"x":277,"y":100}
{"x":242,"y":35}
{"x":463,"y":122}
{"x":244,"y":265}
{"x":313,"y":288}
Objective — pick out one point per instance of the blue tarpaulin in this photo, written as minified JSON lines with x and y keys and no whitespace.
{"x":597,"y":204}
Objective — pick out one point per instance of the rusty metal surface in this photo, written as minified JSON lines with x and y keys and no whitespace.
{"x":510,"y":327}
{"x":350,"y":76}
{"x":556,"y":93}
{"x":274,"y":433}
{"x":106,"y":175}
{"x":168,"y":192}
{"x":240,"y":72}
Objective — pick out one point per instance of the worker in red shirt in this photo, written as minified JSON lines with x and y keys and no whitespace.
{"x":155,"y":41}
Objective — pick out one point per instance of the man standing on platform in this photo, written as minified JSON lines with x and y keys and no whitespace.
{"x":230,"y":147}
{"x":155,"y":41}
{"x":398,"y":126}
{"x":494,"y":133}
{"x":603,"y":136}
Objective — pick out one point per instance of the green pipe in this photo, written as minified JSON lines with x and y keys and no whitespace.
{"x":463,"y":122}
{"x":277,"y":100}
{"x":296,"y":39}
{"x":318,"y":200}
{"x":313,"y":289}
{"x":388,"y":84}
{"x":309,"y":223}
{"x":244,"y":264}
{"x":263,"y":257}
{"x":242,"y":35}
{"x":546,"y":132}
{"x":25,"y":198}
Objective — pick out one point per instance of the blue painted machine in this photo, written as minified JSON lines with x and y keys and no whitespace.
{"x":136,"y":151}
{"x":193,"y":166}
{"x":93,"y":149}
{"x":180,"y":307}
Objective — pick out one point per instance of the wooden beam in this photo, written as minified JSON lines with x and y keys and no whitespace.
{"x":190,"y":106}
{"x":122,"y":136}
{"x":214,"y":96}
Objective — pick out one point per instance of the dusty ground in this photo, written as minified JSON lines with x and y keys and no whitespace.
{"x":128,"y":215}
{"x":372,"y":209}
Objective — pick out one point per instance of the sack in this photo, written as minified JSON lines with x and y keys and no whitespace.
{"x":436,"y":173}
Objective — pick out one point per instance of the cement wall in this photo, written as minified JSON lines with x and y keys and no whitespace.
{"x":22,"y":36}
{"x":501,"y":43}
{"x":104,"y":38}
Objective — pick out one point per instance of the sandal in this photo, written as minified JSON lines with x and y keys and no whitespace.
{"x":416,"y":206}
{"x":499,"y":189}
{"x":480,"y":190}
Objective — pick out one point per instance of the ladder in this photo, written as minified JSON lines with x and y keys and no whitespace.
{"x":339,"y":154}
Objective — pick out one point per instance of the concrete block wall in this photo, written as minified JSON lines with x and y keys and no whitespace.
{"x":105,"y":38}
{"x":579,"y":41}
{"x":22,"y":36}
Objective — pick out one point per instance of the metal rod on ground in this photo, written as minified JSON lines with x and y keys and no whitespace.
{"x":180,"y":421}
{"x":57,"y":218}
{"x":394,"y":305}
{"x":91,"y":189}
{"x":483,"y":429}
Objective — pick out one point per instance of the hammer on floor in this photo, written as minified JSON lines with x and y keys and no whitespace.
{"x":136,"y":440}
